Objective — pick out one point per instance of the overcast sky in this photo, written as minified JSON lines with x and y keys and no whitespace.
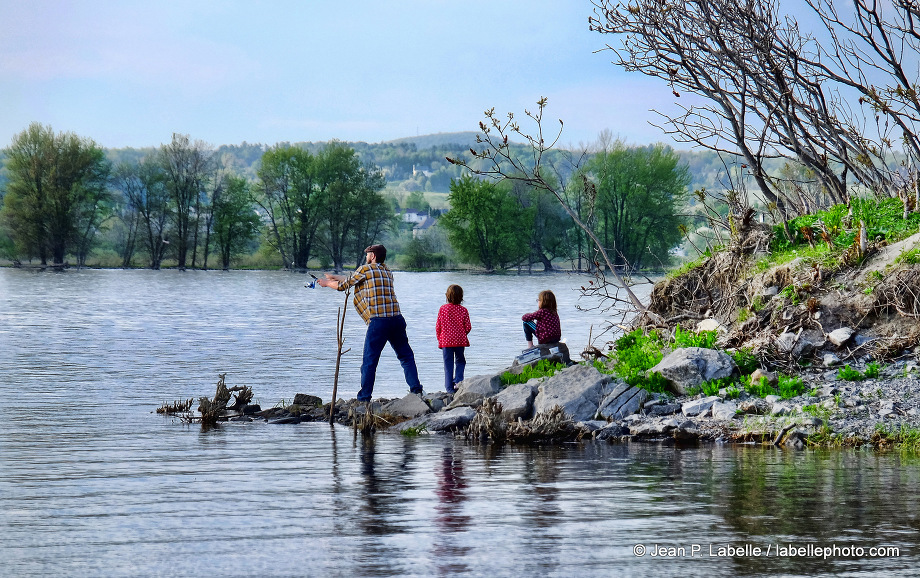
{"x":129,"y":73}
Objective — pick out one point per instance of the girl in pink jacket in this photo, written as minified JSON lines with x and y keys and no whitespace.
{"x":452,"y":328}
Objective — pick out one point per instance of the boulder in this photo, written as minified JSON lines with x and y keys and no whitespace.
{"x":578,"y":390}
{"x":755,"y":406}
{"x":624,"y":400}
{"x":830,"y":360}
{"x":840,"y":336}
{"x":809,"y":341}
{"x":308,"y":400}
{"x":409,"y":406}
{"x":477,"y":388}
{"x":724,"y":410}
{"x":517,"y":401}
{"x":699,"y":407}
{"x":446,"y":421}
{"x":710,"y":324}
{"x":611,"y":431}
{"x":690,"y":366}
{"x":758,"y":374}
{"x":664,"y":409}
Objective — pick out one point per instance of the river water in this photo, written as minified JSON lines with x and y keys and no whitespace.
{"x":92,"y":482}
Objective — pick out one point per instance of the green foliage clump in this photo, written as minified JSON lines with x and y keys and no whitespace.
{"x":786,"y":387}
{"x":746,"y":361}
{"x":705,"y":339}
{"x":636,"y":353}
{"x":911,"y":257}
{"x":790,"y":387}
{"x":847,"y":373}
{"x":543,"y":368}
{"x":713,"y":386}
{"x":760,"y":388}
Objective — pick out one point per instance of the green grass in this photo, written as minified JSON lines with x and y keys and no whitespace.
{"x":911,"y":257}
{"x":543,"y":368}
{"x":415,"y":431}
{"x":903,"y":438}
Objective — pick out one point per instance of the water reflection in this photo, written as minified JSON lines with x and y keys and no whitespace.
{"x":450,"y":517}
{"x":93,"y":483}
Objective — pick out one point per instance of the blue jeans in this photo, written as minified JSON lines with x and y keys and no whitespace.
{"x":380,"y":331}
{"x":454,"y":364}
{"x":530,"y":328}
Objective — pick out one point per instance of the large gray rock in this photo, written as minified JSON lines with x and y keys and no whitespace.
{"x":724,"y":411}
{"x":473,"y":389}
{"x":446,"y":421}
{"x":809,"y":341}
{"x":624,"y":400}
{"x":578,"y":390}
{"x":517,"y":401}
{"x":690,"y":366}
{"x":699,"y":407}
{"x":840,"y":336}
{"x":409,"y":406}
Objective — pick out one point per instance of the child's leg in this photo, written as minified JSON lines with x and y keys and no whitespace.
{"x":460,"y":360}
{"x":448,"y":355}
{"x":530,"y":327}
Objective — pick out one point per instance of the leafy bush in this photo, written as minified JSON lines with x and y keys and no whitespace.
{"x":634,"y":354}
{"x":542,"y":368}
{"x":691,"y":339}
{"x":872,"y":371}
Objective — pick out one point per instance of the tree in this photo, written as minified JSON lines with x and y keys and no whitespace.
{"x":549,"y":230}
{"x":187,"y":168}
{"x":353,"y":211}
{"x":639,"y":194}
{"x":143,"y":186}
{"x":56,"y":196}
{"x":289,"y":195}
{"x":486,"y":225}
{"x":768,"y":90}
{"x":235,"y":221}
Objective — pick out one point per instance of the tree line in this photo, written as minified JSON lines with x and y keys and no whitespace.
{"x":183,"y":202}
{"x":188,"y":204}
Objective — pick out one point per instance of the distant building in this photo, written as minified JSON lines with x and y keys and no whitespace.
{"x":412,"y":216}
{"x":422,"y":228}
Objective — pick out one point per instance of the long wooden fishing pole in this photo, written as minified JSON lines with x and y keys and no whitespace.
{"x":340,"y":336}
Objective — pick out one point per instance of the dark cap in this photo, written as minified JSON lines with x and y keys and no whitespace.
{"x":379,"y":251}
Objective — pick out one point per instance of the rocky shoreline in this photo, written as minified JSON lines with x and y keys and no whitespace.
{"x":580,"y":402}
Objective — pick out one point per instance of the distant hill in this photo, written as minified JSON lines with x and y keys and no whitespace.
{"x":465,"y":140}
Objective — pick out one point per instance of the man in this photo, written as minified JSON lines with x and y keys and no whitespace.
{"x":376,"y":303}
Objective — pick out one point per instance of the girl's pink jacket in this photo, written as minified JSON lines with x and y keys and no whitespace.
{"x":452,"y":326}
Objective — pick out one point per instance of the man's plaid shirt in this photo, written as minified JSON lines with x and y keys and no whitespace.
{"x":374,"y":296}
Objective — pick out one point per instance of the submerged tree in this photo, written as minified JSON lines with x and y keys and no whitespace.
{"x":288,"y":193}
{"x":235,"y":222}
{"x":187,"y":168}
{"x":143,"y":186}
{"x":486,"y":225}
{"x":56,"y":196}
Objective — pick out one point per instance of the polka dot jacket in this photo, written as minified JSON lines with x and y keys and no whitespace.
{"x":452,"y":326}
{"x":548,"y":328}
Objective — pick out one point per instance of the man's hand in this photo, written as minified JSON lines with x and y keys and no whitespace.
{"x":330,"y":281}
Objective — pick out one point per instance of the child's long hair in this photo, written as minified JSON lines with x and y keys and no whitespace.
{"x":546,"y":300}
{"x":455,"y":295}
